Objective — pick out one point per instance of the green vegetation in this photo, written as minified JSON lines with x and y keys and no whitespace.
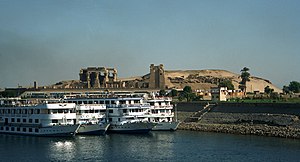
{"x":227,"y":83}
{"x":245,"y":75}
{"x":173,"y":93}
{"x":266,"y":100}
{"x":188,"y":95}
{"x":294,"y":86}
{"x":268,"y":90}
{"x":162,"y":92}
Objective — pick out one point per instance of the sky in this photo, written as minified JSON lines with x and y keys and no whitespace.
{"x":51,"y":40}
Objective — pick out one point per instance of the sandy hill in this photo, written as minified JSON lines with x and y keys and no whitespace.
{"x":197,"y":79}
{"x":204,"y":79}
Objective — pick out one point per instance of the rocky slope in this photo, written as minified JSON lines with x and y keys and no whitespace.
{"x":204,"y":79}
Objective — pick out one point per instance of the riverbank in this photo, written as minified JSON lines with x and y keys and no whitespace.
{"x":262,"y":124}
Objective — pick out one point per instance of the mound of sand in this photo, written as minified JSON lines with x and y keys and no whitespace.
{"x":204,"y":79}
{"x":197,"y":79}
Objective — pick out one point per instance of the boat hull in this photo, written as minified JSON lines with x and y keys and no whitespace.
{"x":131,"y":128}
{"x":49,"y":131}
{"x":165,"y":126}
{"x":92,"y":129}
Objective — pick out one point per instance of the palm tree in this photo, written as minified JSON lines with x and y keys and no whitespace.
{"x":245,"y":75}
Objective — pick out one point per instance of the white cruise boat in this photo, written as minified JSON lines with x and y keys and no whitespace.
{"x":90,"y":117}
{"x":124,"y":114}
{"x":49,"y":118}
{"x":161,"y":112}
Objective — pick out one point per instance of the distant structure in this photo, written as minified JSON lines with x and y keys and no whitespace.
{"x":35,"y":85}
{"x":99,"y":77}
{"x":157,"y":76}
{"x":219,"y":94}
{"x":223,"y":94}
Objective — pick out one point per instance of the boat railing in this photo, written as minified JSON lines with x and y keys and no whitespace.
{"x":145,"y":105}
{"x":162,"y":107}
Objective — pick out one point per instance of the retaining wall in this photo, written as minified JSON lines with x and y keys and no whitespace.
{"x":225,"y":107}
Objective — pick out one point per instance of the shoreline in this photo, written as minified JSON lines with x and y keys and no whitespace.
{"x":244,"y":129}
{"x":260,"y":124}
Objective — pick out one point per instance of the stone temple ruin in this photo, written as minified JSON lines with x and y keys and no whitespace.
{"x":157,"y":76}
{"x":103,"y":77}
{"x":99,"y":77}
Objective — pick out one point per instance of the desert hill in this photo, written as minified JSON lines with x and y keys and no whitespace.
{"x":204,"y":79}
{"x":197,"y":79}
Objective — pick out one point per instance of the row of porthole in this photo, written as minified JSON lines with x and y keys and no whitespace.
{"x":12,"y":129}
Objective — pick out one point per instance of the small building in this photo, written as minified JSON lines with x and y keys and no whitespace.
{"x":222,"y":94}
{"x":219,"y":94}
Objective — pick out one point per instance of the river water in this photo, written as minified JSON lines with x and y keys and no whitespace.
{"x":156,"y":146}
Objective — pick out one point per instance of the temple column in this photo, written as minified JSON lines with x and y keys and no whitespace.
{"x":97,"y":81}
{"x":88,"y":78}
{"x":115,"y":75}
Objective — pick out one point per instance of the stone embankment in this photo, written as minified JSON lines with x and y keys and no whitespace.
{"x":276,"y":125}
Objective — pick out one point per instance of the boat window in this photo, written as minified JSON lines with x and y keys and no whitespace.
{"x":37,"y":111}
{"x":36,"y":130}
{"x":124,"y":110}
{"x":1,"y":111}
{"x":106,"y":102}
{"x":13,"y":111}
{"x":12,"y":120}
{"x":18,"y":129}
{"x":54,"y":121}
{"x":60,"y":111}
{"x":101,"y":102}
{"x":79,"y":102}
{"x":18,"y":120}
{"x":24,"y":120}
{"x":30,"y":111}
{"x":85,"y":102}
{"x":24,"y":129}
{"x":36,"y":120}
{"x":30,"y":130}
{"x":30,"y":121}
{"x":111,"y":111}
{"x":110,"y":119}
{"x":113,"y":102}
{"x":7,"y":128}
{"x":1,"y":128}
{"x":90,"y":102}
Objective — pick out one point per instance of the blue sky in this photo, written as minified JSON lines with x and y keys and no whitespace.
{"x":50,"y":40}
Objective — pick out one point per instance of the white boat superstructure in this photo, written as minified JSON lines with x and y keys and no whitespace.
{"x":162,"y":113}
{"x":128,"y":115}
{"x":47,"y":118}
{"x":89,"y":116}
{"x":124,"y":114}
